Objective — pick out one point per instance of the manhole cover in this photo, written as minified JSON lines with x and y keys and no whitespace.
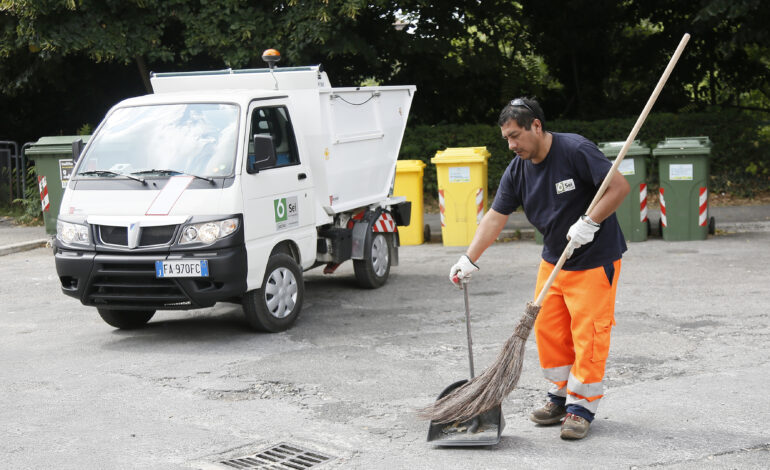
{"x":281,"y":456}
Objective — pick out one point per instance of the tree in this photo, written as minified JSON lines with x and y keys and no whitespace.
{"x":63,"y":56}
{"x":172,"y":32}
{"x":582,"y":58}
{"x":608,"y":55}
{"x":728,"y":57}
{"x":442,"y":49}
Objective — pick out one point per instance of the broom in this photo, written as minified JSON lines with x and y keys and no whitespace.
{"x":491,"y":387}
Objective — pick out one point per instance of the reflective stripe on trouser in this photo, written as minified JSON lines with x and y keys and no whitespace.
{"x":573,"y":328}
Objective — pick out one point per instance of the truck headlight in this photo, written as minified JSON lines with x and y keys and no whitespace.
{"x":72,"y":233}
{"x":208,"y":232}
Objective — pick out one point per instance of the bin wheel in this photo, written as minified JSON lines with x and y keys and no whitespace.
{"x":276,"y":305}
{"x":373,"y":270}
{"x":125,"y":319}
{"x":649,"y":227}
{"x":712,"y":226}
{"x":426,"y":233}
{"x":660,"y":227}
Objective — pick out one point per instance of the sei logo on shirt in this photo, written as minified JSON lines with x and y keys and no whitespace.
{"x":564,"y":186}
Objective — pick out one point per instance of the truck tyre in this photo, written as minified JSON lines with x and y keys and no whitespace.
{"x":126,"y":319}
{"x":276,"y":306}
{"x":372,"y":271}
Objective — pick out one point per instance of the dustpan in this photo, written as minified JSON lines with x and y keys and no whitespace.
{"x":482,"y":430}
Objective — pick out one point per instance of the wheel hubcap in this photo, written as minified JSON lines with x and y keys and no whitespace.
{"x":281,"y":292}
{"x":380,"y":255}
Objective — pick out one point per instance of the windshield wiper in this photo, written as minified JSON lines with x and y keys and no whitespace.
{"x":172,"y":172}
{"x":110,"y":173}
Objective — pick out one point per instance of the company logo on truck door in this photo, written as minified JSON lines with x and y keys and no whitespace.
{"x":286,"y":212}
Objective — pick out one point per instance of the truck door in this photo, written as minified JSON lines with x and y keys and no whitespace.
{"x":278,"y":201}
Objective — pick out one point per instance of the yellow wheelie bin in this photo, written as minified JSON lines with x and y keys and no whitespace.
{"x":462,"y":192}
{"x":409,"y":175}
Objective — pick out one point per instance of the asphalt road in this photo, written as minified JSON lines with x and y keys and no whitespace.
{"x":687,"y":378}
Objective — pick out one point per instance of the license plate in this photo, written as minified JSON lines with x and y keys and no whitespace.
{"x":198,"y":268}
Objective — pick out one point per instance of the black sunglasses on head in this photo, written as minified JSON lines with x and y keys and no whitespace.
{"x":520,"y":102}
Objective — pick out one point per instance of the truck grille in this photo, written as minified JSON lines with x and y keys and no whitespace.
{"x":134,"y":285}
{"x":150,"y":236}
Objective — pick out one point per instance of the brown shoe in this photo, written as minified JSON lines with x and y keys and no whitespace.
{"x":574,"y":427}
{"x":551,"y":413}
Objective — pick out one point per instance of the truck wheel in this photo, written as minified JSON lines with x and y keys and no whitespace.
{"x":372,"y":271}
{"x":276,"y":306}
{"x":126,"y":319}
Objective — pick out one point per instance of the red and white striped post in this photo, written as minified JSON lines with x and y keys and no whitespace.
{"x":703,"y":205}
{"x":663,"y":221}
{"x":479,"y":205}
{"x":441,"y":206}
{"x":42,"y":186}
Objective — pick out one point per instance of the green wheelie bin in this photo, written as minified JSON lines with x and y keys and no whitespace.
{"x":632,"y":213}
{"x":53,"y":165}
{"x":683,"y":170}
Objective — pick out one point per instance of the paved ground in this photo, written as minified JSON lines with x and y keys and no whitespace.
{"x":15,"y":238}
{"x":685,"y":381}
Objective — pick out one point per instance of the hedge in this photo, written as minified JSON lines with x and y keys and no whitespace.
{"x":740,"y":156}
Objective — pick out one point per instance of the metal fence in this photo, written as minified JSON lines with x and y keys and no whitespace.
{"x":13,"y":172}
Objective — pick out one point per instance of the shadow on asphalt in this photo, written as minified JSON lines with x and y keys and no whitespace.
{"x":198,"y":327}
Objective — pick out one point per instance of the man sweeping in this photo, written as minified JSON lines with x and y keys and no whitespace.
{"x":554,"y":177}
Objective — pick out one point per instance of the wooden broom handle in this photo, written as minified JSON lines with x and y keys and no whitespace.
{"x":619,"y":158}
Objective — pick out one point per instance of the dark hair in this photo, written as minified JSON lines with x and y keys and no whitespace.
{"x":522,"y":110}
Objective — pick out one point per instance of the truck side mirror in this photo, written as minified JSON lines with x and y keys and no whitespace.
{"x":77,"y":149}
{"x":263,"y":156}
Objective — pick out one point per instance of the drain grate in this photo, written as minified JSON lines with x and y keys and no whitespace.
{"x":281,"y":456}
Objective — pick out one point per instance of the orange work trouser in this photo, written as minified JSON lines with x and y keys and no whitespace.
{"x":572,"y":331}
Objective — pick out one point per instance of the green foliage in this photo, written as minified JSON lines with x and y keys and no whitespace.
{"x":177,"y":32}
{"x":726,"y":60}
{"x":30,"y":211}
{"x":740,"y":156}
{"x":85,"y":129}
{"x":422,"y":143}
{"x":441,"y":49}
{"x":608,"y":55}
{"x":65,"y":62}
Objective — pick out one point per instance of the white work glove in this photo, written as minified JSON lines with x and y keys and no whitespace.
{"x":581,"y":233}
{"x":462,"y":269}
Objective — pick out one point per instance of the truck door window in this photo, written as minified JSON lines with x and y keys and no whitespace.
{"x":274,"y":121}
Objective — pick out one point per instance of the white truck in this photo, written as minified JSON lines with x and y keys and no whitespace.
{"x":226,"y":186}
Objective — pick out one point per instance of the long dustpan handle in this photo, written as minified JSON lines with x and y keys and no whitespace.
{"x":621,"y":155}
{"x":468,"y":325}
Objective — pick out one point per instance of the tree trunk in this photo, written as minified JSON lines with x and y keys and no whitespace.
{"x":142,"y":66}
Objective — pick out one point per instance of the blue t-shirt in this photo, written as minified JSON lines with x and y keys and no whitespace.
{"x":555,"y":193}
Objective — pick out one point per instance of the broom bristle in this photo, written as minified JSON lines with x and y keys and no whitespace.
{"x":489,"y":389}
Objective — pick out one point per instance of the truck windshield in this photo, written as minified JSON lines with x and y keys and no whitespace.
{"x":194,"y":138}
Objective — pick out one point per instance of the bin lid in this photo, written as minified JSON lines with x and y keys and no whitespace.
{"x":612,"y":149}
{"x":55,"y":145}
{"x":409,"y":165}
{"x":683,"y":146}
{"x":462,"y":155}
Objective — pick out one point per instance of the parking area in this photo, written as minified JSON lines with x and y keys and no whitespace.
{"x":686,"y":379}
